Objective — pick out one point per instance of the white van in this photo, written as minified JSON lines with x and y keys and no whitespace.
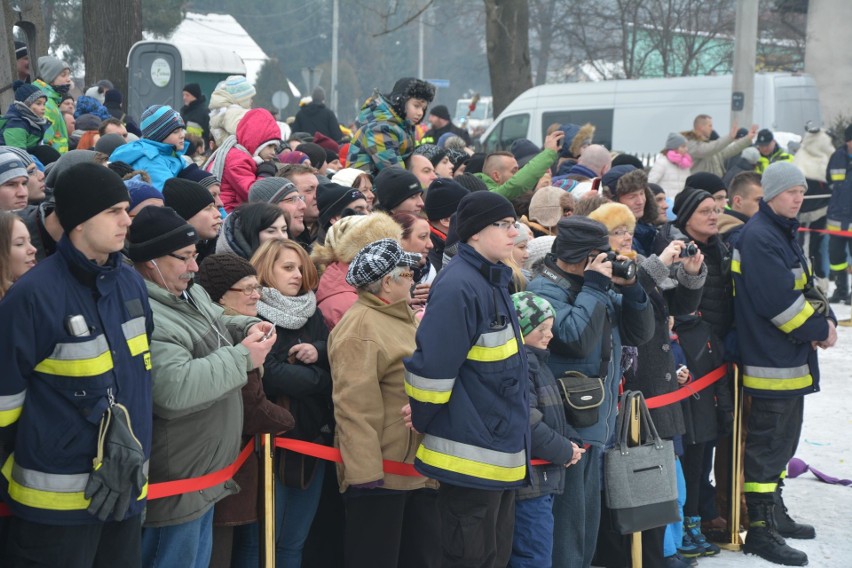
{"x":636,"y":116}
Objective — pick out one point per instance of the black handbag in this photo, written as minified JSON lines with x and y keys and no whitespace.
{"x":640,"y":481}
{"x":582,"y":397}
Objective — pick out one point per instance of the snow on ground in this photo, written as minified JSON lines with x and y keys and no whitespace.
{"x":826,"y":444}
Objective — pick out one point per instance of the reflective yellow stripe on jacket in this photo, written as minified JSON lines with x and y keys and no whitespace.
{"x":86,"y":359}
{"x":793,"y":316}
{"x":136,"y":335}
{"x":777,"y":378}
{"x":494,"y":346}
{"x":421,"y":389}
{"x":11,"y":407}
{"x":471,"y":460}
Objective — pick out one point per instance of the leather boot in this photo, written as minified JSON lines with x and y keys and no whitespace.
{"x":763,"y":539}
{"x":787,"y":527}
{"x":841,"y":290}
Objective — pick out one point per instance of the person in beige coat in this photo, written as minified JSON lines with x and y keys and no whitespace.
{"x":391,"y":520}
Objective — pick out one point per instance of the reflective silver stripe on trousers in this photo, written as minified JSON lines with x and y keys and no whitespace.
{"x":777,"y":372}
{"x":496,"y":338}
{"x":12,"y":401}
{"x":134,"y":327}
{"x":54,"y":482}
{"x":422,"y":383}
{"x":474,"y":453}
{"x":77,"y":351}
{"x":789,"y":313}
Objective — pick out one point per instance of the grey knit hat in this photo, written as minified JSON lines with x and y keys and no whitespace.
{"x":779,"y":177}
{"x":271,"y":190}
{"x":674,"y":141}
{"x":49,"y":68}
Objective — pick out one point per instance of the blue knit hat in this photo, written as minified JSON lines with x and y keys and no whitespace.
{"x":158,"y":121}
{"x":240,"y":89}
{"x":29,"y":93}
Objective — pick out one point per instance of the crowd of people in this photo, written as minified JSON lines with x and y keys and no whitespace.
{"x":171,"y":288}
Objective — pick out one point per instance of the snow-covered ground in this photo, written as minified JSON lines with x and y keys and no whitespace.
{"x":826,"y":444}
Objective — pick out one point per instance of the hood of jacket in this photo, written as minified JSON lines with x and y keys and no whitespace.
{"x":231,"y":240}
{"x":333,"y":282}
{"x":378,"y":109}
{"x":256,"y":127}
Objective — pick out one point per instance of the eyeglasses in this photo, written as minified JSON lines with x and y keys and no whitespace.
{"x":504,"y":225}
{"x":707,"y":212}
{"x":293,"y":198}
{"x":621,"y":233}
{"x":248,"y":290}
{"x":185,"y":259}
{"x":406,"y":275}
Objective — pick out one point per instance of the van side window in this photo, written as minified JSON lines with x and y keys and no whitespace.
{"x":506,"y":131}
{"x":601,"y":118}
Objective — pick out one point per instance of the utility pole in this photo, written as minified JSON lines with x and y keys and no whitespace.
{"x":745,"y":53}
{"x":420,"y":52}
{"x":335,"y":29}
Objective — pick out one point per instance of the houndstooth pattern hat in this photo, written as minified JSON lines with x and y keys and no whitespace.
{"x":377,"y":260}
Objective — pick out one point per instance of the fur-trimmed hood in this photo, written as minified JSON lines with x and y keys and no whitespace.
{"x":357,"y":235}
{"x":583,"y":137}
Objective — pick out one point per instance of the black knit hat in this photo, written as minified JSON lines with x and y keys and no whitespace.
{"x":479,"y":209}
{"x":85,"y":190}
{"x":314,"y":151}
{"x":394,"y":185}
{"x":443,"y":198}
{"x":475,"y":163}
{"x":219,"y":272}
{"x":707,"y":181}
{"x":186,"y":197}
{"x":685,"y":204}
{"x":333,"y":198}
{"x":193,"y":89}
{"x":156,"y":232}
{"x":440,"y":111}
{"x":431,"y":152}
{"x":470,"y":182}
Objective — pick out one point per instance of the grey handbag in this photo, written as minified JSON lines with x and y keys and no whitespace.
{"x":640,"y":481}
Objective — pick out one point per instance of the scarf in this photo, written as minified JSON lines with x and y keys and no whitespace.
{"x":289,"y":312}
{"x":215,"y":164}
{"x":683,"y":161}
{"x":26,"y":113}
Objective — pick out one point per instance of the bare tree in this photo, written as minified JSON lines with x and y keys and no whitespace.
{"x":507,"y":45}
{"x":110,"y":28}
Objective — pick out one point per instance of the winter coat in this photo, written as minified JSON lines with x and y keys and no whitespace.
{"x":840,"y":180}
{"x":669,"y":176}
{"x":779,"y":155}
{"x":334,"y":295}
{"x":56,"y":134}
{"x":582,"y":305}
{"x":383,"y":138}
{"x":199,"y":369}
{"x":197,"y":119}
{"x":655,"y":372}
{"x":717,"y":307}
{"x":33,"y":217}
{"x":550,"y":433}
{"x":467,"y":382}
{"x":160,"y":160}
{"x":775,"y":323}
{"x":525,"y":179}
{"x":715,"y":163}
{"x":644,"y":237}
{"x":55,"y":386}
{"x":225,"y":115}
{"x":730,"y":224}
{"x":21,"y":128}
{"x":702,"y":152}
{"x":705,"y":412}
{"x":366,"y":350}
{"x":316,"y":117}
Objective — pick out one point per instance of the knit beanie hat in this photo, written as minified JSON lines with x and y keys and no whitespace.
{"x":614,"y":215}
{"x":113,"y":96}
{"x":707,"y":181}
{"x":470,"y":181}
{"x":656,"y":189}
{"x":86,"y":122}
{"x":119,"y":167}
{"x":26,"y":158}
{"x":193,"y":173}
{"x":431,"y":152}
{"x":11,"y":166}
{"x":156,"y":232}
{"x":443,"y":198}
{"x":523,"y":233}
{"x":394,"y":185}
{"x":675,"y":141}
{"x":333,"y":198}
{"x":545,"y":207}
{"x":29,"y":93}
{"x":271,"y":190}
{"x":241,"y":91}
{"x":140,"y":191}
{"x":377,"y":260}
{"x":610,"y":179}
{"x":440,"y":111}
{"x":479,"y":209}
{"x":752,"y":155}
{"x":522,"y":148}
{"x":627,"y":159}
{"x":475,"y":163}
{"x":779,"y":177}
{"x":49,"y":68}
{"x":158,"y":121}
{"x":686,"y":202}
{"x":219,"y":272}
{"x":186,"y":197}
{"x":325,"y":142}
{"x":532,"y":311}
{"x":577,"y":236}
{"x":90,"y":105}
{"x":193,"y":89}
{"x":314,"y":151}
{"x":107,"y":143}
{"x":45,"y":154}
{"x":85,"y":190}
{"x":348,"y":176}
{"x":537,"y":249}
{"x":21,"y":50}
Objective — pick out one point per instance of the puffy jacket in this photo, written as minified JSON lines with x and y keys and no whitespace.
{"x":21,"y":128}
{"x":160,"y":160}
{"x":256,"y":127}
{"x":717,"y":307}
{"x":840,"y":180}
{"x":669,"y":176}
{"x":57,"y":133}
{"x":199,"y":369}
{"x":468,"y":379}
{"x":316,"y":117}
{"x":775,"y":323}
{"x":55,"y":386}
{"x":582,"y":305}
{"x":225,"y":115}
{"x":715,"y":162}
{"x":703,"y":150}
{"x":525,"y":179}
{"x":778,"y":155}
{"x":334,"y":294}
{"x":383,"y":137}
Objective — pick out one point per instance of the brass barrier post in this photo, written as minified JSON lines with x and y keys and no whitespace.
{"x":635,"y":435}
{"x":736,"y":541}
{"x":267,"y":450}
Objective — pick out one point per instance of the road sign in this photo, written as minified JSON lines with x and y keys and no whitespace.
{"x":311,"y":76}
{"x":280,"y":99}
{"x":439,"y":83}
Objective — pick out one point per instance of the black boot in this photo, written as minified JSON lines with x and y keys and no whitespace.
{"x":763,"y":539}
{"x":841,"y":290}
{"x":787,"y":527}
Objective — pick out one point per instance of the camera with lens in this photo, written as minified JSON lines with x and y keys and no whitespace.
{"x":689,"y":250}
{"x":621,"y":268}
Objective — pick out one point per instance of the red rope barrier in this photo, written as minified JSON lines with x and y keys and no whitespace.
{"x":689,"y":389}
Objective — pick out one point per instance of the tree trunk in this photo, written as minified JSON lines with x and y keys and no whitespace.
{"x":507,"y":43}
{"x":110,"y":28}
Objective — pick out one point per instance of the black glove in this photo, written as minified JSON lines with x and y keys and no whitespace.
{"x":118,"y":475}
{"x":267,"y":169}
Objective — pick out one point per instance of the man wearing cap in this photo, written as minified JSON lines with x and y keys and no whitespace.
{"x":193,"y":202}
{"x":305,"y":179}
{"x":22,"y":65}
{"x":441,"y":121}
{"x":709,"y":155}
{"x":779,"y":329}
{"x":398,"y":191}
{"x":336,"y":201}
{"x":55,"y":80}
{"x":442,"y":200}
{"x":200,"y":358}
{"x":769,"y":150}
{"x":467,"y":384}
{"x":75,"y":342}
{"x":390,"y":519}
{"x":13,"y":181}
{"x":593,"y":320}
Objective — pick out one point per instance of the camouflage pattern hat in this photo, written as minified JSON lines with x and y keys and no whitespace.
{"x":532,"y":310}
